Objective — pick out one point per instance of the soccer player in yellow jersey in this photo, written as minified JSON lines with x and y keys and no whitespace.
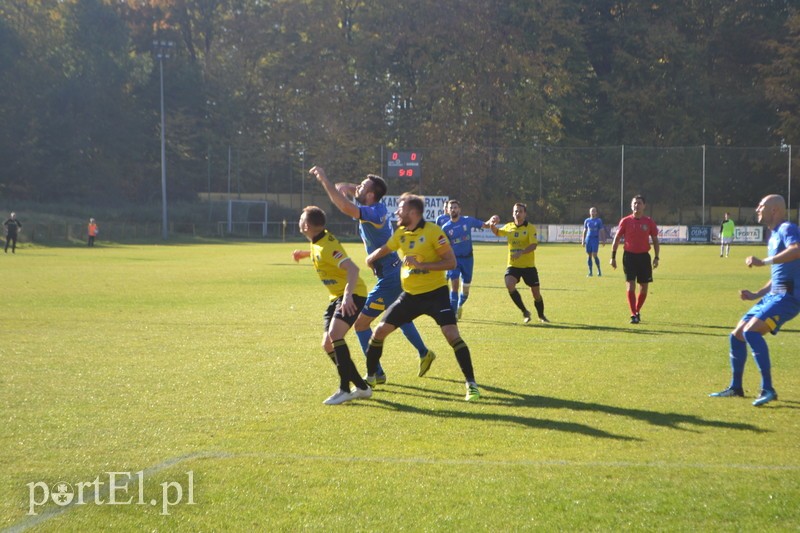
{"x":427,"y":255}
{"x":347,"y":296}
{"x":522,"y":243}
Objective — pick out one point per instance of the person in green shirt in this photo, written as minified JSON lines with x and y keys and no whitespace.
{"x":726,"y":232}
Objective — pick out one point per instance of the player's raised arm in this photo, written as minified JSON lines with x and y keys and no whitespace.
{"x":338,"y":198}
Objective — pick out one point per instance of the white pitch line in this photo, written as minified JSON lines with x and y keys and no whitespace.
{"x":53,"y":512}
{"x":521,"y":462}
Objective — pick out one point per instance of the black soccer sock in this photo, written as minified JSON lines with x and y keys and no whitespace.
{"x":517,"y":299}
{"x":374,"y":353}
{"x":464,"y":359}
{"x":342,"y":356}
{"x":539,"y":305}
{"x":332,"y":355}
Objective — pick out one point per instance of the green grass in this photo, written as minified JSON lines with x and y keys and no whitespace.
{"x":206,"y":358}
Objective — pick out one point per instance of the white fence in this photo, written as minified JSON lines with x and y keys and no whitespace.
{"x":666,"y":234}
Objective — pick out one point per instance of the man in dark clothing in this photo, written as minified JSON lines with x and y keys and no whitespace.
{"x":12,"y":227}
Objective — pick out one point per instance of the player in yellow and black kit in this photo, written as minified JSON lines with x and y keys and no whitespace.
{"x":522,"y":242}
{"x":347,"y":296}
{"x":426,"y":257}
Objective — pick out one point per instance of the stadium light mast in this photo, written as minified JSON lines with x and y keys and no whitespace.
{"x":788,"y":148}
{"x":162,"y":50}
{"x":789,"y":195}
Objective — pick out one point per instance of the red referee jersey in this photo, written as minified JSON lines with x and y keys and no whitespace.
{"x":636,"y":233}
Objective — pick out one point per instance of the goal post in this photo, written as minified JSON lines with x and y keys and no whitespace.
{"x":247,"y":217}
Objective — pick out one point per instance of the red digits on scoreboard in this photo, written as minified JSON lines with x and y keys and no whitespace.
{"x":413,"y":156}
{"x":395,"y":155}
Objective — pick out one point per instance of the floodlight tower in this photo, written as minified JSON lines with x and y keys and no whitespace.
{"x":163,"y":50}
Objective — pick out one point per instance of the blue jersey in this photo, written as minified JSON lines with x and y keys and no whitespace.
{"x":442,"y":219}
{"x":375,"y":230}
{"x":786,"y":276}
{"x":593,"y":227}
{"x":460,"y":234}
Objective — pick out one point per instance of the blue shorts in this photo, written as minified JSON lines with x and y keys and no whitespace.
{"x":592,"y":245}
{"x":382,"y":295}
{"x":775,"y":310}
{"x":463,"y":269}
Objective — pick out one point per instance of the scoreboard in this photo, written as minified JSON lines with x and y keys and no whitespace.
{"x":404,"y":164}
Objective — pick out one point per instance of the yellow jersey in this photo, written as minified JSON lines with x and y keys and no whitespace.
{"x":328,"y":255}
{"x":424,"y":243}
{"x":519,"y":238}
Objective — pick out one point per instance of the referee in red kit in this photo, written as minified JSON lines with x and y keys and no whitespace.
{"x":636,"y":230}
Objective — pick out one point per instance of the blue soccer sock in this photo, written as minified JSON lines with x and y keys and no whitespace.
{"x":589,"y":262}
{"x":738,"y":355}
{"x":462,"y":299}
{"x":413,"y":336}
{"x":761,"y":354}
{"x":363,"y":339}
{"x":597,"y":262}
{"x":453,"y":300}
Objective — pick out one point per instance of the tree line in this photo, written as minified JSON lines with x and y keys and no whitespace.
{"x":288,"y":83}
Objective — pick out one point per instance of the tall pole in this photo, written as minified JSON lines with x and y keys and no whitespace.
{"x":622,"y":183}
{"x":789,"y":195}
{"x":704,"y":186}
{"x":164,"y":228}
{"x":162,"y":50}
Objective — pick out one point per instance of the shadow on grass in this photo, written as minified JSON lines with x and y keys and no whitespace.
{"x":505,"y":398}
{"x":564,"y":325}
{"x":531,"y":422}
{"x":641,"y":329}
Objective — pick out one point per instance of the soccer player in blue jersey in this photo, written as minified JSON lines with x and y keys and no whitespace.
{"x":375,"y":230}
{"x":442,"y":219}
{"x":780,"y":300}
{"x":592,"y":230}
{"x":459,"y":231}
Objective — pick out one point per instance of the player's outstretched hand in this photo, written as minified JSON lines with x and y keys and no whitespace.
{"x":744,"y":294}
{"x":317,"y":172}
{"x":297,"y":255}
{"x":753,"y":261}
{"x":613,"y":263}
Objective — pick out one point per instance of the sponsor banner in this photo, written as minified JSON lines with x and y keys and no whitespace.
{"x":434,"y":206}
{"x":672,"y":234}
{"x":699,"y":233}
{"x":563,"y":233}
{"x":742,"y":234}
{"x":750,"y":234}
{"x":486,"y":235}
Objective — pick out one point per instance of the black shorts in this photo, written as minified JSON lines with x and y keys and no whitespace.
{"x":334,"y":310}
{"x":637,"y":267}
{"x":407,"y":307}
{"x":529,"y":275}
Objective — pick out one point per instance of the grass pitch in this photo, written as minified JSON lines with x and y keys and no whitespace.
{"x":204,"y":360}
